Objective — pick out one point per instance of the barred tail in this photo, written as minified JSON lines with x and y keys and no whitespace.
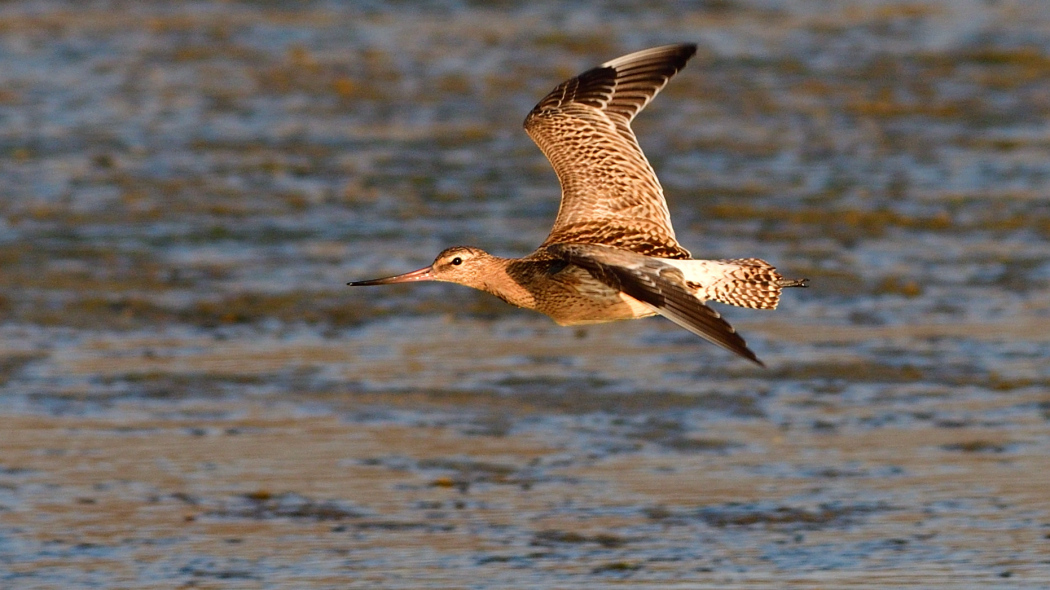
{"x":745,"y":282}
{"x":748,"y":282}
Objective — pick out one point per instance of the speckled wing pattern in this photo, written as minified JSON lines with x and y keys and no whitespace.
{"x":658,"y":284}
{"x":610,"y":194}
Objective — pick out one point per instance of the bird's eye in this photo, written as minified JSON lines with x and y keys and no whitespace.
{"x":457,"y":261}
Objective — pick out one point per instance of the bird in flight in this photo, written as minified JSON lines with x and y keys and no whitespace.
{"x":612,"y":253}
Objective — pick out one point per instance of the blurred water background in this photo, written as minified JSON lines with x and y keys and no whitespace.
{"x":191,"y":397}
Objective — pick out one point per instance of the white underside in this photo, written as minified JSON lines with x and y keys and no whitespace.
{"x":701,"y":272}
{"x":639,"y":308}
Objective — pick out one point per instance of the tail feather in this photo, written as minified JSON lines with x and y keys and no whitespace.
{"x":748,"y":282}
{"x":744,"y":282}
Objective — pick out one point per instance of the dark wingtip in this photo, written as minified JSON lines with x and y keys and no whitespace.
{"x":794,"y":283}
{"x":748,"y":354}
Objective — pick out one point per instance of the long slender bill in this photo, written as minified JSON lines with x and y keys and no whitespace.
{"x":423,"y":274}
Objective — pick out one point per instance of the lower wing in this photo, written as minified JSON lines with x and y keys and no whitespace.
{"x":657,"y":284}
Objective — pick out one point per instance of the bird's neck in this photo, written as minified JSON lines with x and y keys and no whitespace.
{"x":497,"y":278}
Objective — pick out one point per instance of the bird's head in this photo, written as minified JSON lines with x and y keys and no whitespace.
{"x":458,"y":264}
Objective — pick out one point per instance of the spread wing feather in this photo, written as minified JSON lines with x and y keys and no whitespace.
{"x":610,"y":194}
{"x":657,"y":284}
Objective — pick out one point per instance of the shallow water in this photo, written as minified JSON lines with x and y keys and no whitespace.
{"x":191,"y":397}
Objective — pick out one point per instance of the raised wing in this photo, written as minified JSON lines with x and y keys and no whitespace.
{"x":609,"y":192}
{"x":657,"y":284}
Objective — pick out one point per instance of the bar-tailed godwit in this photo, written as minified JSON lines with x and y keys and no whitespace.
{"x":612,"y":253}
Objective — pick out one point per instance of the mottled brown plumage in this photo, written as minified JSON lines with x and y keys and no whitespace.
{"x":612,"y":253}
{"x":609,"y":192}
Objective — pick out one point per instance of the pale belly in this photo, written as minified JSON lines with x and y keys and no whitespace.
{"x":572,"y":296}
{"x":618,"y":306}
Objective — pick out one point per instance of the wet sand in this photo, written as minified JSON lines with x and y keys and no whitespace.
{"x":191,"y":398}
{"x":405,"y":490}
